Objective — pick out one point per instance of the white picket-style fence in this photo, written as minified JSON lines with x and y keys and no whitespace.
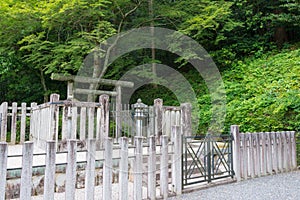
{"x":168,"y":116}
{"x":60,"y":120}
{"x":145,"y":161}
{"x":254,"y":155}
{"x":77,"y":120}
{"x":263,"y":153}
{"x":13,"y":121}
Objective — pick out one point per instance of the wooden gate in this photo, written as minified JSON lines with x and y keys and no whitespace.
{"x":206,"y":159}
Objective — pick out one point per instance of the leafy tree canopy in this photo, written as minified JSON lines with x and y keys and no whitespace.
{"x":38,"y":38}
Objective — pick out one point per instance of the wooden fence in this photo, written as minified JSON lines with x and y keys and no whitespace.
{"x":155,"y":119}
{"x":43,"y":122}
{"x":264,"y":153}
{"x":14,"y":122}
{"x":168,"y":116}
{"x":254,"y":155}
{"x":144,"y":159}
{"x":298,"y":149}
{"x":60,"y":120}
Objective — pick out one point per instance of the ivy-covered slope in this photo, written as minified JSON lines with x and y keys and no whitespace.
{"x":264,"y":94}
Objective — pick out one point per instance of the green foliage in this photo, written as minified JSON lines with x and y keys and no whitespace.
{"x":18,"y":131}
{"x":41,"y":37}
{"x":210,"y":22}
{"x":18,"y":83}
{"x":206,"y":21}
{"x":263,"y":26}
{"x":49,"y":36}
{"x":149,"y":93}
{"x":263,"y":94}
{"x":69,"y":31}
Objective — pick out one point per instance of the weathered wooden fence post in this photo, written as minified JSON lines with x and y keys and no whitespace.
{"x":23,"y":123}
{"x":244,"y":155}
{"x":32,"y":121}
{"x":177,"y":160}
{"x":289,"y":151}
{"x":4,"y":107}
{"x":269,"y":153}
{"x":166,"y":116}
{"x":264,"y":153}
{"x":71,"y":169}
{"x":69,"y":123}
{"x":294,"y":152}
{"x":98,"y":123}
{"x":251,"y":155}
{"x":14,"y":114}
{"x":123,"y":172}
{"x":280,"y":153}
{"x":164,"y":173}
{"x":49,"y":180}
{"x":91,"y":121}
{"x":90,"y":169}
{"x":283,"y":140}
{"x":186,"y":119}
{"x":274,"y":152}
{"x":173,"y":157}
{"x":26,"y":174}
{"x":118,"y":111}
{"x":64,"y":128}
{"x":234,"y":129}
{"x":284,"y":148}
{"x":152,"y":168}
{"x":158,"y":103}
{"x":151,"y":124}
{"x":107,"y":169}
{"x":138,"y":168}
{"x":3,"y":169}
{"x":74,"y":122}
{"x":104,"y":132}
{"x":257,"y":155}
{"x":53,"y":118}
{"x":82,"y":123}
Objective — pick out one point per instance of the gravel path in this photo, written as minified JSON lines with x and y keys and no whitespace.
{"x":284,"y":186}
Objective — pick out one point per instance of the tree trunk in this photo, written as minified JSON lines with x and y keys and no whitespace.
{"x":43,"y":82}
{"x":280,"y":36}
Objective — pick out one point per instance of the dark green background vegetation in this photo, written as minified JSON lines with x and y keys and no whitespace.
{"x":254,"y":43}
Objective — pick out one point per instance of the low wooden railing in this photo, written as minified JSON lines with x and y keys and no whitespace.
{"x":264,"y":153}
{"x":151,"y":160}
